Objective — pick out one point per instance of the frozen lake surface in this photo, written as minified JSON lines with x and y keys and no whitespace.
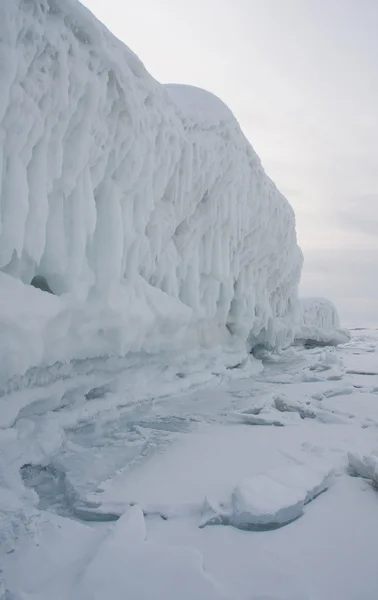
{"x":141,"y":479}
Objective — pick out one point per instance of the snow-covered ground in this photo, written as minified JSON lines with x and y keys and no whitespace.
{"x":255,"y":482}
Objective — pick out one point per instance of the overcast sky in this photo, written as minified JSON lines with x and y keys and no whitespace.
{"x":301,"y":76}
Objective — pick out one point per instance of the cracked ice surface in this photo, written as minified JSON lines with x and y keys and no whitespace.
{"x":74,"y":458}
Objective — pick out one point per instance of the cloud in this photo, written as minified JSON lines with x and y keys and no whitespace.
{"x":360,"y":214}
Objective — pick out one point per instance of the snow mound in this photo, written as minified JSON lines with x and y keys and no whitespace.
{"x":320,"y":323}
{"x":142,"y":207}
{"x":269,"y":500}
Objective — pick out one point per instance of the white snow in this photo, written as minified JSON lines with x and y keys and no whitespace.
{"x":70,"y":561}
{"x":362,"y":363}
{"x":128,"y":566}
{"x":144,"y":206}
{"x":320,"y":323}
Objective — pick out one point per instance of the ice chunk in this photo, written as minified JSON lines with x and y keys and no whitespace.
{"x":212,"y":513}
{"x":268,"y":416}
{"x":131,"y":527}
{"x":284,"y":404}
{"x":364,"y":466}
{"x":125,"y":566}
{"x":270,"y":500}
{"x":262,"y":503}
{"x":312,"y":480}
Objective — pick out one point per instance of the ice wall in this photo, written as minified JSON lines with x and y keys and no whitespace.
{"x":143,"y":206}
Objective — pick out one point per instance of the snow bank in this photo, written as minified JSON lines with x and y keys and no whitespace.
{"x":143,"y":206}
{"x":320,"y":323}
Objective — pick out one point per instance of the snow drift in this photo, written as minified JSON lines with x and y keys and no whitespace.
{"x":320,"y":323}
{"x":143,"y":207}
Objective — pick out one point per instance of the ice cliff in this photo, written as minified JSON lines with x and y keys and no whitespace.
{"x":143,"y":206}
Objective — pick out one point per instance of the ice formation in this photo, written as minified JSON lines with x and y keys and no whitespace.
{"x":320,"y":323}
{"x":275,"y":498}
{"x":143,"y":206}
{"x":364,"y":466}
{"x":269,"y":500}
